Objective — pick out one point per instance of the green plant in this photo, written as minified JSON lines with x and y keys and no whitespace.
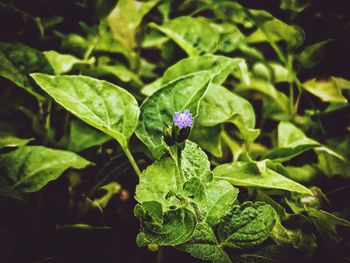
{"x":212,"y":62}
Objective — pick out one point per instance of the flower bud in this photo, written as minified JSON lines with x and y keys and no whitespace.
{"x":182,"y":125}
{"x":168,"y":135}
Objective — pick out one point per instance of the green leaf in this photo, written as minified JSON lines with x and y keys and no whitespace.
{"x":82,"y":136}
{"x":165,"y":229}
{"x":313,"y":54}
{"x":219,"y":105}
{"x":205,"y":246}
{"x":271,"y":29}
{"x":118,"y":70}
{"x":156,"y":181}
{"x":332,"y":163}
{"x":257,"y":174}
{"x":291,"y":142}
{"x":9,"y":140}
{"x":194,"y":189}
{"x":267,"y":89}
{"x":230,"y":37}
{"x":294,"y":5}
{"x":272,"y":72}
{"x":218,"y":66}
{"x":194,"y":163}
{"x":220,"y":197}
{"x":247,"y":225}
{"x":328,"y":225}
{"x":196,"y":38}
{"x":18,"y":61}
{"x":296,"y":237}
{"x":158,"y":109}
{"x":97,"y":38}
{"x":101,"y":104}
{"x":328,"y":90}
{"x":124,"y":20}
{"x":30,"y":168}
{"x":302,"y":174}
{"x":208,"y":138}
{"x":184,"y":85}
{"x":63,"y":63}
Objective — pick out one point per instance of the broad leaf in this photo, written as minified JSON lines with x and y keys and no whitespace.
{"x":247,"y":225}
{"x":83,"y":136}
{"x":257,"y":174}
{"x":184,"y":85}
{"x":30,"y":168}
{"x":196,"y":38}
{"x":158,"y":109}
{"x":220,"y":197}
{"x":219,"y":105}
{"x":204,"y":245}
{"x":271,"y":29}
{"x":218,"y":66}
{"x":18,"y":61}
{"x":101,"y":104}
{"x":291,"y":142}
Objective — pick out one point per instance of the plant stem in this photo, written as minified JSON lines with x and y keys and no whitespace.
{"x":175,"y":152}
{"x":291,"y":99}
{"x":132,"y":161}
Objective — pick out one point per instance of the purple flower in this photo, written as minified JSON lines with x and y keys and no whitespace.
{"x":183,"y":119}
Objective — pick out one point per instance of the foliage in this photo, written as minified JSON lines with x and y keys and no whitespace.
{"x":254,"y":173}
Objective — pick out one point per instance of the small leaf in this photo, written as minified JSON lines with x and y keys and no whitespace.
{"x":124,"y":20}
{"x":205,"y":246}
{"x":63,"y":63}
{"x":313,"y":54}
{"x":294,"y":5}
{"x":332,"y":163}
{"x":247,"y":225}
{"x":30,"y":168}
{"x":9,"y":140}
{"x":328,"y":90}
{"x":196,"y":38}
{"x":101,"y":104}
{"x":257,"y":174}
